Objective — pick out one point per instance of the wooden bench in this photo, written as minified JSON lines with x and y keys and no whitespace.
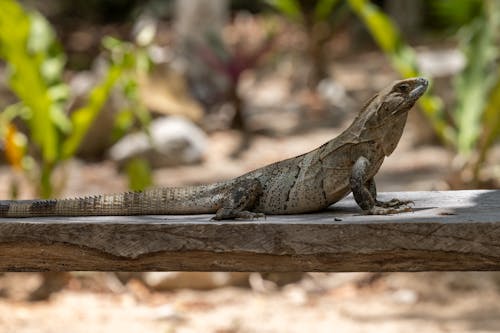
{"x":452,"y":230}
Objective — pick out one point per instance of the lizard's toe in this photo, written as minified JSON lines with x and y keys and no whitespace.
{"x":245,"y":214}
{"x":231,"y":214}
{"x":394,"y":203}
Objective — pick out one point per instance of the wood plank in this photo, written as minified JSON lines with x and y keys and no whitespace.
{"x":452,"y":230}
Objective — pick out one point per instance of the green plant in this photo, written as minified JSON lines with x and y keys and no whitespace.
{"x":139,"y":174}
{"x":478,"y":85}
{"x":135,"y":62}
{"x":35,"y":63}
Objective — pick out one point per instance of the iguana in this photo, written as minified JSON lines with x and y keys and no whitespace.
{"x":305,"y":183}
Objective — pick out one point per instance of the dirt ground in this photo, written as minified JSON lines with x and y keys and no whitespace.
{"x":342,"y":302}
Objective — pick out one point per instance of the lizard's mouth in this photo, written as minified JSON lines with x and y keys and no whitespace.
{"x":420,"y":88}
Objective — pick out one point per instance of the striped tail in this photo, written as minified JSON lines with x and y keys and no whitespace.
{"x":160,"y":201}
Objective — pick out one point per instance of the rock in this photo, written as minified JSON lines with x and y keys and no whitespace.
{"x":173,"y":141}
{"x":194,"y":280}
{"x":441,"y":63}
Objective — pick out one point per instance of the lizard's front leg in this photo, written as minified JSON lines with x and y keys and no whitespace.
{"x":365,"y":192}
{"x":239,"y":200}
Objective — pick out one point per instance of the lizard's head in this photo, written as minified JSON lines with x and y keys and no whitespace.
{"x":385,"y":114}
{"x":393,"y":102}
{"x":400,"y":97}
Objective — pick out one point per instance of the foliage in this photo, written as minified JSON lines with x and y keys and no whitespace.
{"x":132,"y":61}
{"x":455,"y":13}
{"x":139,"y":174}
{"x":479,"y":42}
{"x":35,"y":62}
{"x":304,"y":10}
{"x":290,"y":8}
{"x":478,"y":85}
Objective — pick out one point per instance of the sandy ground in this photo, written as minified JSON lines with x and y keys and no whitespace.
{"x":342,"y":302}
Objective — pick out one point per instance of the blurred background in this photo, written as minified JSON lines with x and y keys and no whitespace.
{"x":102,"y":96}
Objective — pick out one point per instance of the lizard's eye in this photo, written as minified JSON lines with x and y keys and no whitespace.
{"x":403,"y":88}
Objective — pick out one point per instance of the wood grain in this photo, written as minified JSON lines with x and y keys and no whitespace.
{"x":452,"y":230}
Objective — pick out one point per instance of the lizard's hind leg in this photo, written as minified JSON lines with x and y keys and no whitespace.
{"x":240,"y":199}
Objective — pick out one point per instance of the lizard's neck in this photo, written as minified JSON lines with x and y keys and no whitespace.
{"x":392,"y":134}
{"x":387,"y":134}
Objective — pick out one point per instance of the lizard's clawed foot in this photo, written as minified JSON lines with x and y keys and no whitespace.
{"x":393,"y":206}
{"x":230,"y":214}
{"x":378,"y":210}
{"x":394,"y":203}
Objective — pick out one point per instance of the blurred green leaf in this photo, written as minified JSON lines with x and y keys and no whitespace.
{"x":59,"y":118}
{"x":475,"y":82}
{"x":41,"y":35}
{"x":82,"y":118}
{"x":51,"y":69}
{"x":135,"y":111}
{"x":324,"y":8}
{"x":58,"y":92}
{"x":123,"y":123}
{"x":455,"y":13}
{"x":290,"y":8}
{"x":139,"y":174}
{"x":379,"y":24}
{"x":25,"y":41}
{"x":111,"y":43}
{"x":491,"y":121}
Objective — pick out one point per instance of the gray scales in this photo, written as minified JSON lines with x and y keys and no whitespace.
{"x":305,"y":183}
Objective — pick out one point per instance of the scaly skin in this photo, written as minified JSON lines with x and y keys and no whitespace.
{"x":305,"y":183}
